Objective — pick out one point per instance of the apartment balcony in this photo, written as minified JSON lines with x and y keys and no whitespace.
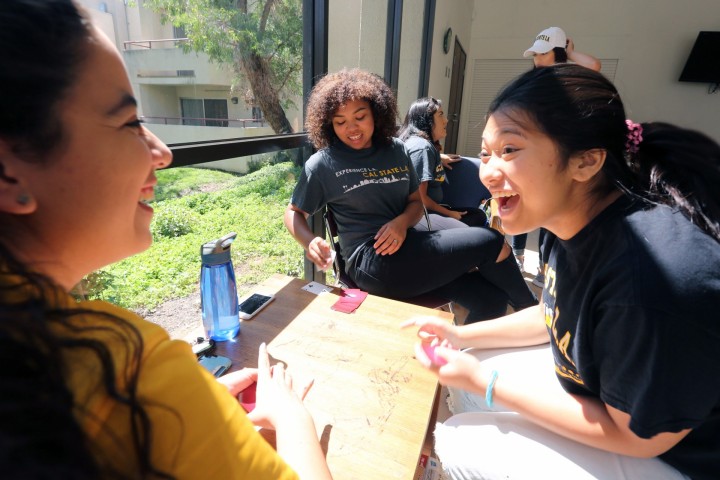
{"x":163,"y":62}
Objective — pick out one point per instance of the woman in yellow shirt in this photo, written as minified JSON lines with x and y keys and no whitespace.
{"x":87,"y":389}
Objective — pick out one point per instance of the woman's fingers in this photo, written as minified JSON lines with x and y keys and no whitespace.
{"x":263,"y":361}
{"x":389,"y":245}
{"x":388,"y":240}
{"x":320,"y":253}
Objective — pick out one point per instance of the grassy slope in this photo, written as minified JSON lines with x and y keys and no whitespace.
{"x":194,"y":206}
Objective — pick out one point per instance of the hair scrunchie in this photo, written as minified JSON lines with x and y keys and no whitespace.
{"x":634,"y":137}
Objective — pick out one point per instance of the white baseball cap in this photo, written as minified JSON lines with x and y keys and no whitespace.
{"x":547,"y":40}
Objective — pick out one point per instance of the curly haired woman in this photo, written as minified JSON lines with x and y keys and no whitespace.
{"x":365,"y":177}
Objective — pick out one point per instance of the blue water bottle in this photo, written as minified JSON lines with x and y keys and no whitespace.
{"x":218,"y":292}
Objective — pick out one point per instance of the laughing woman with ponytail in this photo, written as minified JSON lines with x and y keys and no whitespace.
{"x":628,"y":387}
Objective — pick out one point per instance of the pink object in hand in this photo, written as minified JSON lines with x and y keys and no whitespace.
{"x":247,"y":398}
{"x":434,"y":358}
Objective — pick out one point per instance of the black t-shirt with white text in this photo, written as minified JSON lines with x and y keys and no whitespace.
{"x":632,"y":304}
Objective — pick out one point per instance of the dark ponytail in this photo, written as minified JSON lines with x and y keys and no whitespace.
{"x":580,"y":109}
{"x":680,"y":168}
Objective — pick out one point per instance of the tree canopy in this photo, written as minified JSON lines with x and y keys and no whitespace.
{"x":261,"y":40}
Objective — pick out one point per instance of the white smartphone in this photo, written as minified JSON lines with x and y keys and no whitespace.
{"x":249,"y":307}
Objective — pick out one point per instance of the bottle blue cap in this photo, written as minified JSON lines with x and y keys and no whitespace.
{"x":217,"y":251}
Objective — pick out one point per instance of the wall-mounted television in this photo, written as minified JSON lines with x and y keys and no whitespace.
{"x":703,"y":64}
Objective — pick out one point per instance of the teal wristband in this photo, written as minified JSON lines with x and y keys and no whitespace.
{"x":489,"y":389}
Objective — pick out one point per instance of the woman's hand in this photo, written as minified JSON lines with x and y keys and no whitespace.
{"x":389,"y":238}
{"x":432,"y":328}
{"x":448,"y":159}
{"x":458,"y":369}
{"x":456,"y":215}
{"x":453,"y":367}
{"x":278,"y":401}
{"x":238,"y":381}
{"x":320,"y":253}
{"x":569,"y":46}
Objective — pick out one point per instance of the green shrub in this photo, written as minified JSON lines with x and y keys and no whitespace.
{"x":172,"y":220}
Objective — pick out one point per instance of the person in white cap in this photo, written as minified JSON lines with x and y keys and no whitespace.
{"x":552,"y":46}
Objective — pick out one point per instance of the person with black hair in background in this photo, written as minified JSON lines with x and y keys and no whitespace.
{"x":628,"y":386}
{"x":424,"y":127}
{"x":88,"y":389}
{"x":551,"y":46}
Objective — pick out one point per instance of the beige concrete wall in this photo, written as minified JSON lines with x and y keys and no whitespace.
{"x":356,"y":36}
{"x":410,"y":53}
{"x":650,"y":38}
{"x":457,"y":15}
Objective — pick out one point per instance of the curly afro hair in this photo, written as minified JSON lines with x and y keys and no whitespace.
{"x":336,"y":89}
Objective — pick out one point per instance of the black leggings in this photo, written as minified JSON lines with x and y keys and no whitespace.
{"x":441,"y":262}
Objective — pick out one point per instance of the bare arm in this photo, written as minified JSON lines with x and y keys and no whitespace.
{"x":279,"y":406}
{"x":586,"y":420}
{"x":583,"y":59}
{"x":583,"y":419}
{"x":413,"y":210}
{"x":519,"y":329}
{"x":316,"y":248}
{"x":299,"y":446}
{"x":432,"y":205}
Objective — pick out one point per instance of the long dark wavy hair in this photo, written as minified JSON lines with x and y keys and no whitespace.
{"x":420,"y":120}
{"x":336,"y":89}
{"x":43,"y":43}
{"x":580,"y":109}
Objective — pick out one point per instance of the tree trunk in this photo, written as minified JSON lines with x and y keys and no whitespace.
{"x":257,"y":71}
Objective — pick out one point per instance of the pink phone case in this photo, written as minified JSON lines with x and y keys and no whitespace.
{"x":434,"y":358}
{"x":247,"y":398}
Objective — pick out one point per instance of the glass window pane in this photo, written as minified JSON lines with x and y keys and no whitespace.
{"x":214,"y":57}
{"x":192,"y":111}
{"x":194,"y":205}
{"x":357,"y":32}
{"x":216,"y":109}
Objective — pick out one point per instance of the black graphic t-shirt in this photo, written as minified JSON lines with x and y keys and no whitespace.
{"x":632,"y":305}
{"x":428,"y":166}
{"x":364,"y":189}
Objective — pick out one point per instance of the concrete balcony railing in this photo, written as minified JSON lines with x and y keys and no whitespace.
{"x":205,"y":122}
{"x":150,"y":44}
{"x":162,"y":62}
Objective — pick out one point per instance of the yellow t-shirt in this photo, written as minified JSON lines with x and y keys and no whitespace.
{"x":198,"y":429}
